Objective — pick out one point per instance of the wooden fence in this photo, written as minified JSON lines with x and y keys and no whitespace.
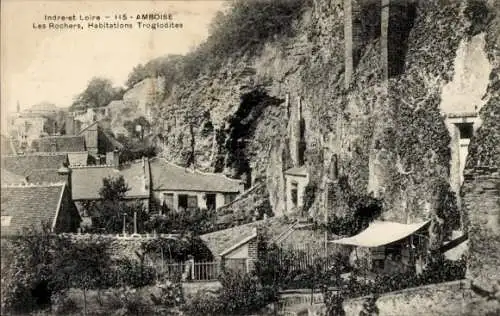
{"x":201,"y":271}
{"x":302,"y":258}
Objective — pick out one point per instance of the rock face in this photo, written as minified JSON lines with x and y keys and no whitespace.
{"x":389,"y":135}
{"x":136,"y":102}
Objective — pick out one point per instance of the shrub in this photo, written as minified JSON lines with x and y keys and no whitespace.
{"x":131,"y":303}
{"x":203,"y":303}
{"x":63,"y":305}
{"x":27,"y":280}
{"x":245,"y":28}
{"x":333,"y":303}
{"x":171,"y":295}
{"x":438,"y":271}
{"x":239,"y":295}
{"x":133,"y":273}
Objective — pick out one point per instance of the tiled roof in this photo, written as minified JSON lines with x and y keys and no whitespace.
{"x":78,"y":158}
{"x":62,"y":144}
{"x":25,"y":164}
{"x":87,"y":181}
{"x":297,"y":171}
{"x":46,"y":176}
{"x":167,"y":176}
{"x":11,"y":178}
{"x":23,"y":206}
{"x":222,"y":240}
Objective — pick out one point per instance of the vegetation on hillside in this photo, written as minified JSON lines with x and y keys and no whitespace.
{"x":245,"y":27}
{"x":99,"y":92}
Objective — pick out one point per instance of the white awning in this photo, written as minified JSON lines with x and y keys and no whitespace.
{"x":381,"y":233}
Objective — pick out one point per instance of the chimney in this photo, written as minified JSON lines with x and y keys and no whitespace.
{"x":144,"y":174}
{"x":298,"y":134}
{"x":113,"y":158}
{"x":384,"y":32}
{"x":66,"y":171}
{"x":287,"y":104}
{"x":348,"y":42}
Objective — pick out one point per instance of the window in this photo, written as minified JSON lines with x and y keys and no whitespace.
{"x":294,"y":193}
{"x":168,"y":200}
{"x":183,"y":201}
{"x":228,"y":198}
{"x":192,"y":201}
{"x":466,"y":130}
{"x":211,"y":201}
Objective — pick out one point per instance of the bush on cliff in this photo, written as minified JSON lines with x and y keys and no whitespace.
{"x":244,"y":28}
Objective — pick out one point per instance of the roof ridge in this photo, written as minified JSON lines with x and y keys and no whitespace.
{"x":34,"y":185}
{"x":218,"y":174}
{"x":59,"y":136}
{"x":93,"y":166}
{"x":39,"y":153}
{"x":86,"y":128}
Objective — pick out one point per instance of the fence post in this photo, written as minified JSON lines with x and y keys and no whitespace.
{"x":192,"y":264}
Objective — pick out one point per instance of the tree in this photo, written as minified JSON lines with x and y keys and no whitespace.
{"x":108,"y":213}
{"x":99,"y":92}
{"x":83,"y":265}
{"x":141,"y":121}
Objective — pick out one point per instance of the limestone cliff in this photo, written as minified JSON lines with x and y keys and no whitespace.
{"x":385,"y":125}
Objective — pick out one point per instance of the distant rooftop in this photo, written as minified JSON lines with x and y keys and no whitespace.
{"x":25,"y":164}
{"x":168,"y":176}
{"x":87,"y":181}
{"x":66,"y":143}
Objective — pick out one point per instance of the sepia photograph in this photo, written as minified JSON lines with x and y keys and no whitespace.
{"x":250,"y":157}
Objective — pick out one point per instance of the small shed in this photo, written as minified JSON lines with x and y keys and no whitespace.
{"x":391,"y":246}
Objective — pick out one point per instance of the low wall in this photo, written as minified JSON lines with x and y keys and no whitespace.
{"x":435,"y":299}
{"x":444,"y":299}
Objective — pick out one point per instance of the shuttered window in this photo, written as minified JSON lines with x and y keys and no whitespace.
{"x":192,"y":201}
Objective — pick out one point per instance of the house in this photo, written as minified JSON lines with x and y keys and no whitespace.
{"x":182,"y":188}
{"x":22,"y":207}
{"x":236,"y":247}
{"x":86,"y":181}
{"x":101,"y":145}
{"x":296,"y":181}
{"x":297,"y":177}
{"x":11,"y":178}
{"x":26,"y":127}
{"x":73,"y":146}
{"x":35,"y":163}
{"x":65,"y":143}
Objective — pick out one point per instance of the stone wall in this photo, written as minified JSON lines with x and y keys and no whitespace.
{"x":481,"y":191}
{"x":436,"y":299}
{"x":450,"y":298}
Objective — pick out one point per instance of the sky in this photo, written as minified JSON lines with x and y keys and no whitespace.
{"x":41,"y":65}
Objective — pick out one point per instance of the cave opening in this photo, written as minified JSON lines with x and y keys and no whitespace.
{"x":239,"y":131}
{"x":366,"y":28}
{"x":401,"y":20}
